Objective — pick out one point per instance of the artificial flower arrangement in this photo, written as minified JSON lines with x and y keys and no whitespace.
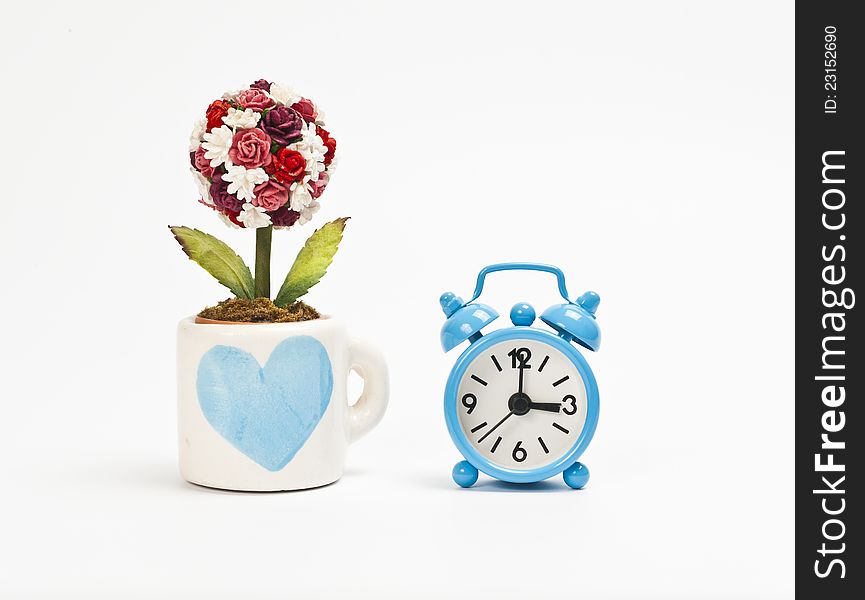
{"x":262,"y":158}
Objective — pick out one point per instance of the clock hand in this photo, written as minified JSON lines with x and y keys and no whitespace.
{"x":547,"y":406}
{"x":520,"y":389}
{"x":495,"y":426}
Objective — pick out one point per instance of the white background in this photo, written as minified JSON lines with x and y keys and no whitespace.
{"x":645,"y":148}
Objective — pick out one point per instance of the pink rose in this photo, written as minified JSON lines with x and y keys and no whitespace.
{"x":201,"y":164}
{"x":255,"y":99}
{"x":270,"y":195}
{"x":318,"y":186}
{"x":306,"y":108}
{"x":250,"y":148}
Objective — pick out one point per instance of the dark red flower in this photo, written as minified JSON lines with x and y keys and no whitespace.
{"x":215,"y":112}
{"x":221,"y":197}
{"x":283,"y":124}
{"x":284,"y":216}
{"x":306,"y":108}
{"x":261,"y":84}
{"x":329,"y":142}
{"x":287,"y":166}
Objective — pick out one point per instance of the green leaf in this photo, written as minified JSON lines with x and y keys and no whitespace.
{"x":311,"y":263}
{"x":218,"y":259}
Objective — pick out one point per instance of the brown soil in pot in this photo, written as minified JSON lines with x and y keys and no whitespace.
{"x":260,"y":310}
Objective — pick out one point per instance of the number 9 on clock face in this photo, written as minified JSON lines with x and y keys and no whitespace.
{"x":522,"y":405}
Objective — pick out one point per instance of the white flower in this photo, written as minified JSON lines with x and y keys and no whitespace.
{"x":310,"y":142}
{"x":217,"y":143}
{"x":242,"y":180}
{"x":203,"y":185}
{"x":319,"y":116}
{"x":306,"y":213}
{"x":241,"y":119}
{"x":312,"y":147}
{"x":315,"y":168}
{"x":253,"y":217}
{"x":195,"y":136}
{"x":284,"y":94}
{"x":300,"y":196}
{"x":230,"y":94}
{"x":228,"y":221}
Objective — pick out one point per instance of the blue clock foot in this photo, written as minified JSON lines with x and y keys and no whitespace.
{"x":464,"y":474}
{"x":576,"y":476}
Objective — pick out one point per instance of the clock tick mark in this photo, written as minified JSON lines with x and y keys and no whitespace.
{"x":479,"y":427}
{"x":496,"y":363}
{"x":562,"y":380}
{"x":479,"y":380}
{"x":543,"y":364}
{"x":560,"y":428}
{"x":496,"y":444}
{"x":543,"y":445}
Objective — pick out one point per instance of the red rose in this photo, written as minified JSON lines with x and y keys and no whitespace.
{"x":306,"y":108}
{"x":287,"y":166}
{"x":232,"y":216}
{"x":329,"y":142}
{"x":215,"y":112}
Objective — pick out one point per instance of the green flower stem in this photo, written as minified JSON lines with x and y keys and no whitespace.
{"x":263,"y":237}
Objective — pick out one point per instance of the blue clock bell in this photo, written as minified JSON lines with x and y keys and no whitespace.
{"x":521,"y":403}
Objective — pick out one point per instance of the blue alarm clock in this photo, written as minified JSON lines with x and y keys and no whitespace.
{"x":521,"y":403}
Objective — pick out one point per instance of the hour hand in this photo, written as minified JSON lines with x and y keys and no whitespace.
{"x":547,"y":406}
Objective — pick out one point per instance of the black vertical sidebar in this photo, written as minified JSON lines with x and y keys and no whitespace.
{"x":830,"y":437}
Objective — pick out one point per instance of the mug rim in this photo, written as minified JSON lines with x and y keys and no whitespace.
{"x":325,"y":322}
{"x":197,"y":320}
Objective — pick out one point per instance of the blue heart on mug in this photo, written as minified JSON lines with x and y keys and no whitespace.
{"x":266,"y":413}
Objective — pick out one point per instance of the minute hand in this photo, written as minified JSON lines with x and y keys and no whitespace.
{"x":547,"y":406}
{"x":510,"y":414}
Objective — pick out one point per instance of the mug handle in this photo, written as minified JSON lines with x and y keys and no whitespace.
{"x":369,"y":363}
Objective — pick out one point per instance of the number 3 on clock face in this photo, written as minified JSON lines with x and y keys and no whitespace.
{"x":524,"y":407}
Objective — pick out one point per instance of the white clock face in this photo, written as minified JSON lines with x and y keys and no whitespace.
{"x":521,"y":426}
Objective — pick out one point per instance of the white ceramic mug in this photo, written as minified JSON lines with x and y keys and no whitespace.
{"x":263,"y":407}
